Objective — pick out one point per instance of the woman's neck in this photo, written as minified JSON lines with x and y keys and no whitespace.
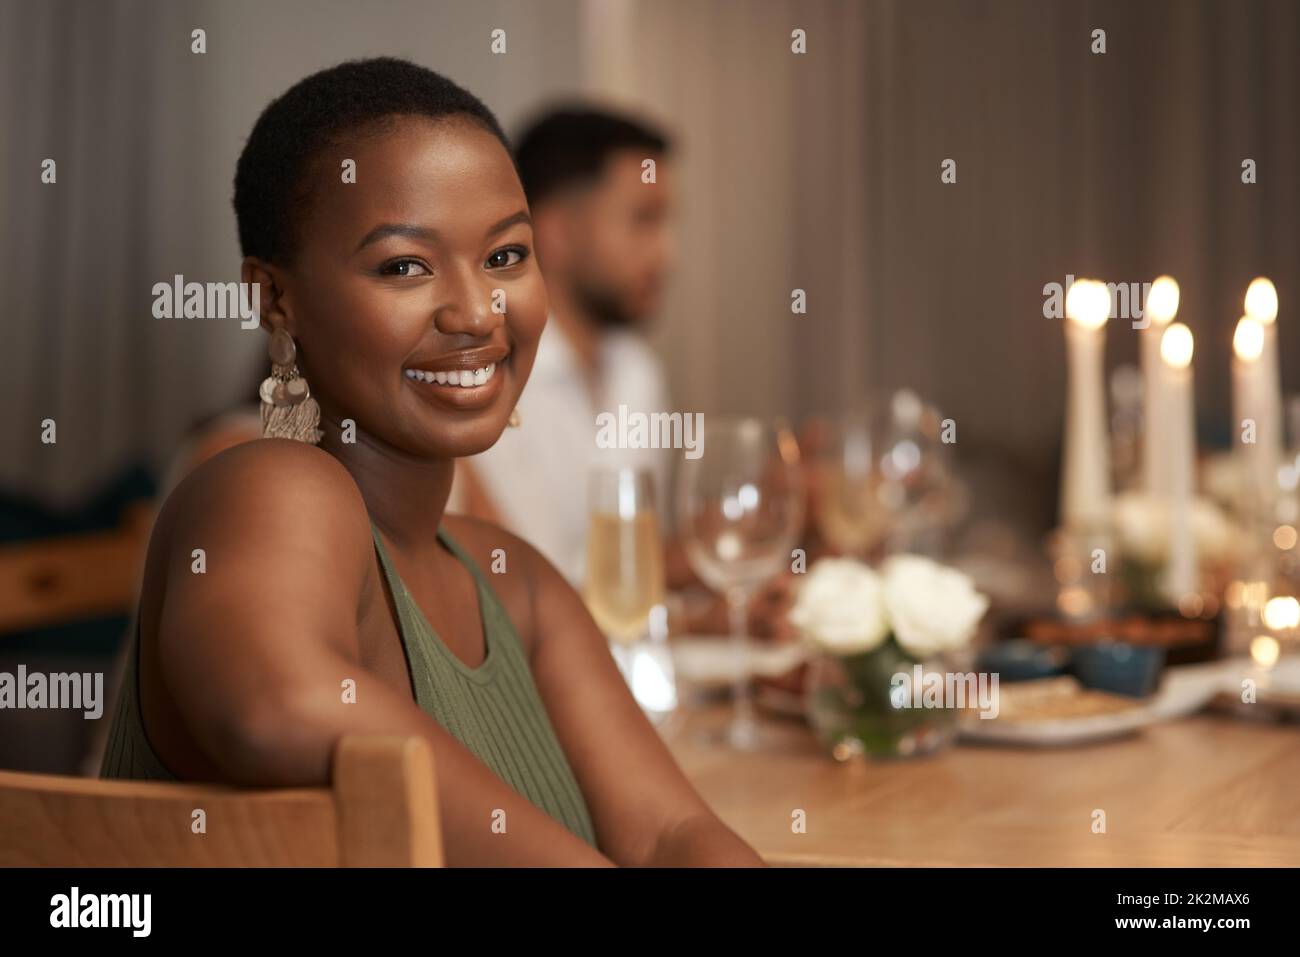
{"x":405,"y":496}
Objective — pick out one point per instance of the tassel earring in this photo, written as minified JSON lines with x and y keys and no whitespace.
{"x":288,"y":410}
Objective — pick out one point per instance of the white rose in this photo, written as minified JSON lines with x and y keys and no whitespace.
{"x":840,"y":608}
{"x":1143,"y":527}
{"x":1222,"y":478}
{"x":1216,"y":538}
{"x":932,"y":608}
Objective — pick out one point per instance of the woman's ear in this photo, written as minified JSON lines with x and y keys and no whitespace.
{"x":273,"y":306}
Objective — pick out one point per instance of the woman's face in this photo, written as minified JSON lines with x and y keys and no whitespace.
{"x":415,"y":298}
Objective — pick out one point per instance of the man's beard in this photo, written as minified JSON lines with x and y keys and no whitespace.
{"x":603,"y":306}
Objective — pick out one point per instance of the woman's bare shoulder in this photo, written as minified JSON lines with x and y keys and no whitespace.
{"x":268,"y":491}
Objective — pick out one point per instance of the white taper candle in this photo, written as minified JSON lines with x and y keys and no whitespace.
{"x":1261,"y":305}
{"x":1176,"y":348}
{"x":1085,"y":479}
{"x":1249,"y":385}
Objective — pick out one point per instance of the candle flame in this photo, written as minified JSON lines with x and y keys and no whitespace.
{"x":1176,"y":346}
{"x":1248,"y":340}
{"x":1282,"y":613}
{"x":1264,"y":650}
{"x":1088,"y":303}
{"x":1162,"y":300}
{"x":1261,"y":301}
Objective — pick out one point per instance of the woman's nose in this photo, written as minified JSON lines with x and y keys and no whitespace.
{"x":468,"y":305}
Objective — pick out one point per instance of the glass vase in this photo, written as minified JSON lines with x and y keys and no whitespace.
{"x":870,"y":705}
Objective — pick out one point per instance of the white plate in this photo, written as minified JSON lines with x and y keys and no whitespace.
{"x":1056,"y":733}
{"x":713,"y":660}
{"x":1183,"y":691}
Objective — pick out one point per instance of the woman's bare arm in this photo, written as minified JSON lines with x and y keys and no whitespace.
{"x":255,"y":651}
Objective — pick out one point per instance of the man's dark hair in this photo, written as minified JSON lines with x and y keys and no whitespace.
{"x":273,"y":178}
{"x":569,"y":146}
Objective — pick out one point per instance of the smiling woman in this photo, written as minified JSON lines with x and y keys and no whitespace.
{"x":408,"y":298}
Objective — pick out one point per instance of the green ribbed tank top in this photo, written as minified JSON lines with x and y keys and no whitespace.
{"x":494,"y":710}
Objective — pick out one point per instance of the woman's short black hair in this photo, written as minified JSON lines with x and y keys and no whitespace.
{"x":274,"y":175}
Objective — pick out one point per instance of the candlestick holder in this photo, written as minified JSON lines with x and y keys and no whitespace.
{"x":1082,"y":555}
{"x":1266,"y":579}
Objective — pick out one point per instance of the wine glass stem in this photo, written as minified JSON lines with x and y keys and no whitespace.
{"x":742,"y":719}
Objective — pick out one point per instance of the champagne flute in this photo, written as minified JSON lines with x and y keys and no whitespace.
{"x":624,"y":584}
{"x":740,"y":514}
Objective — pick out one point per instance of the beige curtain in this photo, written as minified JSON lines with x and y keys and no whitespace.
{"x":771,"y":149}
{"x":109,"y":92}
{"x":823,"y":172}
{"x":817,"y":171}
{"x":145,"y":135}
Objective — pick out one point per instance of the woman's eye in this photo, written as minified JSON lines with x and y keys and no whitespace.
{"x":404,"y":267}
{"x":503,"y":257}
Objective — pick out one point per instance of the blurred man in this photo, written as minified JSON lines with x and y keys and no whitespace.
{"x":601,"y":234}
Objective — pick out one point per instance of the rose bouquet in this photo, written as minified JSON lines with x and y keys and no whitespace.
{"x":868,"y":629}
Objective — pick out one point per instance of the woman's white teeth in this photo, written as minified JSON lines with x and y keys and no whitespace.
{"x":465,"y":378}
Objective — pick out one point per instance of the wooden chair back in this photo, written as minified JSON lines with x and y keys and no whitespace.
{"x":380,"y":811}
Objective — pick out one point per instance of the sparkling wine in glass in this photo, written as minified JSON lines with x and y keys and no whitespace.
{"x":624,"y":586}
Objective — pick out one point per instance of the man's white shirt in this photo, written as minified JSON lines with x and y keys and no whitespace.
{"x":537,"y":475}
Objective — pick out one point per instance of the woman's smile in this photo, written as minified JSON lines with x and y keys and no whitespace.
{"x":463,"y":378}
{"x":468,"y":380}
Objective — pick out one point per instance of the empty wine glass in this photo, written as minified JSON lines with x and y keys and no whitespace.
{"x":853,"y":502}
{"x":919,"y":485}
{"x":740,"y":514}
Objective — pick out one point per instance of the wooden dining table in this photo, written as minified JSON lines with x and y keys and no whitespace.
{"x":1207,"y":790}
